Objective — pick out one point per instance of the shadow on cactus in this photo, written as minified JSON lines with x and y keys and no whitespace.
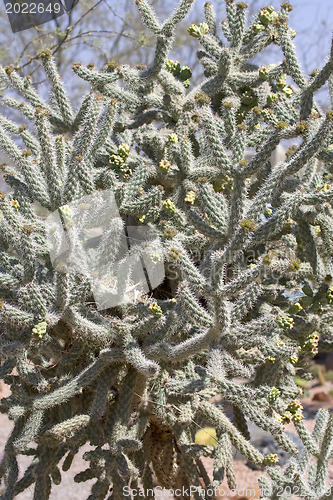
{"x":246,"y":300}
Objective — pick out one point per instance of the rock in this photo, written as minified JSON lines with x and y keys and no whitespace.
{"x":322,"y":396}
{"x":268,"y":445}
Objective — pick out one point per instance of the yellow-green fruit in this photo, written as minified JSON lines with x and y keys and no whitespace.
{"x":116,"y":160}
{"x":298,"y":417}
{"x":267,"y":15}
{"x":271,"y":98}
{"x":198,"y":31}
{"x":169,"y":232}
{"x":287,"y":417}
{"x":271,"y":459}
{"x":285,"y":321}
{"x":155,"y":309}
{"x":287,"y":90}
{"x":281,"y":82}
{"x":329,"y":295}
{"x":123,"y":150}
{"x":263,"y":73}
{"x":295,"y":406}
{"x":273,"y":395}
{"x":174,"y":254}
{"x":39,"y":330}
{"x":172,"y":66}
{"x":173,"y":138}
{"x":169,"y":206}
{"x":190,"y":197}
{"x":248,"y":225}
{"x":164,"y":165}
{"x":15,"y":204}
{"x":258,"y":27}
{"x":295,"y":308}
{"x":278,"y":419}
{"x":207,"y":437}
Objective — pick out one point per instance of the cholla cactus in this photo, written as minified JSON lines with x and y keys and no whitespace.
{"x":137,"y":379}
{"x":303,"y":477}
